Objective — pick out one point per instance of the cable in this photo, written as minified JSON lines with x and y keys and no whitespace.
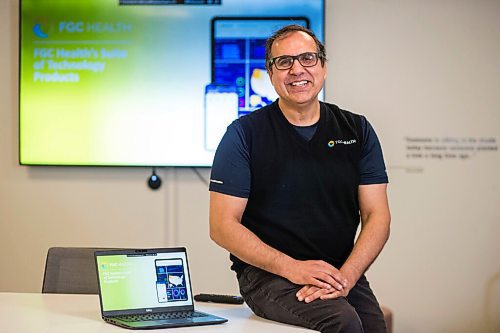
{"x":200,"y":176}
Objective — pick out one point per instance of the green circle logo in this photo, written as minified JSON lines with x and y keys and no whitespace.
{"x":331,"y":143}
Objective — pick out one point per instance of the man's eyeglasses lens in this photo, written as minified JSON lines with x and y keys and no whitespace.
{"x":307,"y":59}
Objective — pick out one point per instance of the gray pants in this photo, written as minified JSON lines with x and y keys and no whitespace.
{"x":273,"y":297}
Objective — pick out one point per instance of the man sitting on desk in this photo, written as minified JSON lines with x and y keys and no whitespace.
{"x":288,"y":186}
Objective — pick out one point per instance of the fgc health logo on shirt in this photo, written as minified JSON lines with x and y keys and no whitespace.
{"x":333,"y":143}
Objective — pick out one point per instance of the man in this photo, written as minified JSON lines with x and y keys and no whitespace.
{"x":289,"y":184}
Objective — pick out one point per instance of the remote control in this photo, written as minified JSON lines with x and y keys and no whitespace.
{"x":228,"y":299}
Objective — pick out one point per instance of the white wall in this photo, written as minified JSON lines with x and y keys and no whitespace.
{"x":429,"y":69}
{"x":414,"y":68}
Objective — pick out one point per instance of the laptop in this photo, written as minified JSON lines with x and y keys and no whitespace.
{"x":148,"y":288}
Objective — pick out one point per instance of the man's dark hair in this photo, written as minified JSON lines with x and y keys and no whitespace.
{"x":284,"y":32}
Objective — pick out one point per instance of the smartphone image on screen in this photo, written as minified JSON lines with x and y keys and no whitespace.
{"x":161,"y":290}
{"x":170,"y":280}
{"x":238,"y":57}
{"x":221,"y":108}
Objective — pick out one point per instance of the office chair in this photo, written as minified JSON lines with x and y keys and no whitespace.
{"x":70,"y":270}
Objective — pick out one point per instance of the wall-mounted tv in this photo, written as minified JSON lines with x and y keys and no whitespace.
{"x":143,"y":82}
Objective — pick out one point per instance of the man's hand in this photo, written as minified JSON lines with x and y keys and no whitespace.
{"x":315,"y":273}
{"x":310,"y":293}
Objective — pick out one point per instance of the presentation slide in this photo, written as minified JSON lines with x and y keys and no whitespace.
{"x":144,"y":281}
{"x":143,"y":83}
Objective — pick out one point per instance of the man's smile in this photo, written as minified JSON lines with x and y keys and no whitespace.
{"x":299,"y":83}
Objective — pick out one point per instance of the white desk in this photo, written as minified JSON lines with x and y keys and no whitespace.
{"x":60,"y":313}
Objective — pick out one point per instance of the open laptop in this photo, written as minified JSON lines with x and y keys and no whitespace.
{"x":148,"y":288}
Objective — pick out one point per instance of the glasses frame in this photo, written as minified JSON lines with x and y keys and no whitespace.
{"x":318,"y":56}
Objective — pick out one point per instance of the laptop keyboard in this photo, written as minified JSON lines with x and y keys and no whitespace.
{"x":161,"y":316}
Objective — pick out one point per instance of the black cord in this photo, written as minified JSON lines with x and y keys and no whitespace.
{"x":200,"y":176}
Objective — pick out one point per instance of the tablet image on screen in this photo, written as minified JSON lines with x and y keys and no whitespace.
{"x":238,"y":57}
{"x":170,"y":280}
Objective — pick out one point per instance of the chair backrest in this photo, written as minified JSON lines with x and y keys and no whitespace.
{"x":70,"y":270}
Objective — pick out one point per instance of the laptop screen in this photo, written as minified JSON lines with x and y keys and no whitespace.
{"x":143,"y":279}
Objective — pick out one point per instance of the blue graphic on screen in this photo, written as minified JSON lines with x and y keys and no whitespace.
{"x":37,"y":30}
{"x":170,"y":280}
{"x":238,"y":57}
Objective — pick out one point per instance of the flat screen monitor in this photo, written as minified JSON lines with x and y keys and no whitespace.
{"x":143,"y":82}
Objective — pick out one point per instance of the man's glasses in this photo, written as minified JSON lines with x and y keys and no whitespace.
{"x":307,"y":59}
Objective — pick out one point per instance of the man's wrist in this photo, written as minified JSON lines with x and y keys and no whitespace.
{"x":284,"y":266}
{"x":351,"y":274}
{"x":279,"y":264}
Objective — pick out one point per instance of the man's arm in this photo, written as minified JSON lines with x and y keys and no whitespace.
{"x":227,"y":231}
{"x":375,"y":228}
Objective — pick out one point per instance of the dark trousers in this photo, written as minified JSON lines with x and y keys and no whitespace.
{"x":273,"y":297}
